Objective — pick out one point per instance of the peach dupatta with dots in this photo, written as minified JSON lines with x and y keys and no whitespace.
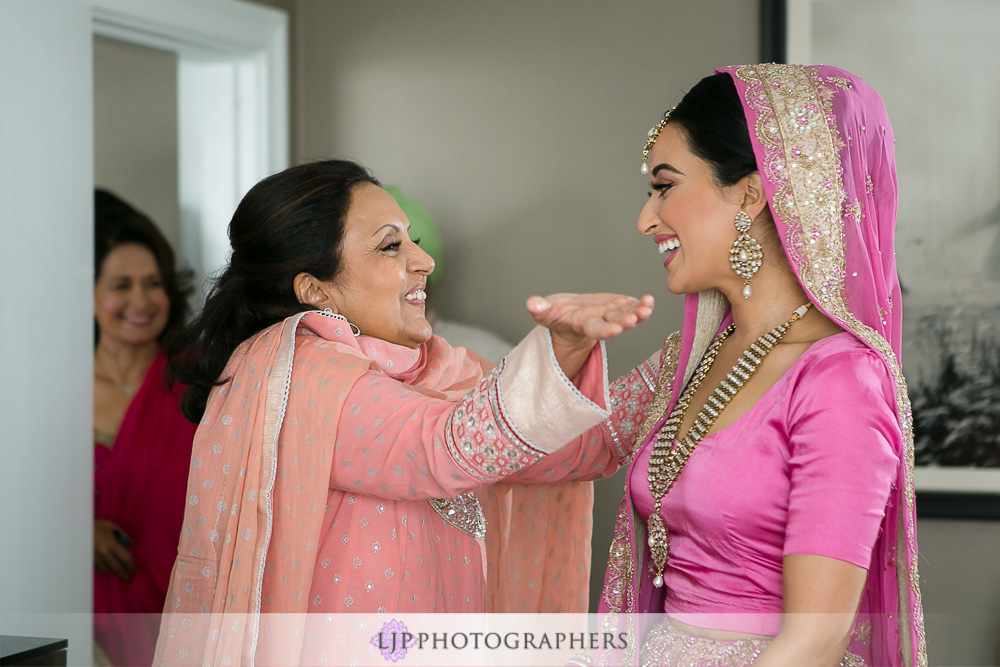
{"x":235,"y":560}
{"x":212,"y":611}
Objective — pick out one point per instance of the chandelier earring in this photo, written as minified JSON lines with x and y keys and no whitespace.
{"x":746,"y":255}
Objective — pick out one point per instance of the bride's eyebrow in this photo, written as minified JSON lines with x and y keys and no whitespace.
{"x":663,"y":166}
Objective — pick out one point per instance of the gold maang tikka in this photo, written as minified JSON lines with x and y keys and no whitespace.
{"x":651,"y":137}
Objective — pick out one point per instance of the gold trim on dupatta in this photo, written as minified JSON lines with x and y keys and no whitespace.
{"x":794,"y":102}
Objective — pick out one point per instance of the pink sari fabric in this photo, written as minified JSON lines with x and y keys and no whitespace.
{"x":333,"y":474}
{"x":139,"y":485}
{"x":825,"y":152}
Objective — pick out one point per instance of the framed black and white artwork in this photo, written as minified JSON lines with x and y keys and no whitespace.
{"x":936,"y":64}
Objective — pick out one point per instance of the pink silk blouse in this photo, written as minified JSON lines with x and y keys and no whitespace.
{"x":807,"y":470}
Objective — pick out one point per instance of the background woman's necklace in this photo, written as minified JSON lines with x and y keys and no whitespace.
{"x":669,"y":455}
{"x":124,"y":389}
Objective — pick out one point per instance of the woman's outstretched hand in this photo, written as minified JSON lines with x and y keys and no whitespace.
{"x":577,"y":321}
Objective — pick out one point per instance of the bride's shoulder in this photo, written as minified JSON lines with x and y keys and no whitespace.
{"x":843,"y":358}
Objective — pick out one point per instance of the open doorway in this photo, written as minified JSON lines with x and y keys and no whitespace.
{"x":232,"y":129}
{"x":135,"y":130}
{"x":229,"y":101}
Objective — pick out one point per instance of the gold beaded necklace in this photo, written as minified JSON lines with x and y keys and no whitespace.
{"x":670,"y":455}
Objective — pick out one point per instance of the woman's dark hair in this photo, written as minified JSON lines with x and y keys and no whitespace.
{"x":712,"y":117}
{"x":117,"y":223}
{"x":289,"y":223}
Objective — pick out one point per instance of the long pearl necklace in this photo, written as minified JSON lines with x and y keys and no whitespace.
{"x":670,"y":455}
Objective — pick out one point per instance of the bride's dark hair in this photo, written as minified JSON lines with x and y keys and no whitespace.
{"x":716,"y":128}
{"x":289,"y":223}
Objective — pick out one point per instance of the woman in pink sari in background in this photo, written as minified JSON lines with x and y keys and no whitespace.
{"x":340,"y":443}
{"x":142,"y":444}
{"x":769,"y":505}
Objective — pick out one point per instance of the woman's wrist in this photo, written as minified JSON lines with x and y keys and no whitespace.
{"x":571,"y":354}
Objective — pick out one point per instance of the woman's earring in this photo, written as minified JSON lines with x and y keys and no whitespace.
{"x":354,"y":328}
{"x":746,"y":255}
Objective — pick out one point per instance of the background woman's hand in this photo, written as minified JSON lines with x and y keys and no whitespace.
{"x":110,"y":555}
{"x":577,"y":321}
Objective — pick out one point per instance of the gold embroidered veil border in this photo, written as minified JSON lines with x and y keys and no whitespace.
{"x":793,"y":107}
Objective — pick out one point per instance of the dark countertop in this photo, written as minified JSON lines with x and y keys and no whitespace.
{"x":18,"y":650}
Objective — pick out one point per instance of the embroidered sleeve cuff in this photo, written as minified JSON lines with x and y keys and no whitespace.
{"x":544,"y":406}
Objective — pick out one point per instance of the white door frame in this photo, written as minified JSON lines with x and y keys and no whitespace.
{"x":233,"y":130}
{"x":232,"y":78}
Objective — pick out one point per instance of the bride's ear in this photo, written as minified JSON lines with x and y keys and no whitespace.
{"x":754,"y":198}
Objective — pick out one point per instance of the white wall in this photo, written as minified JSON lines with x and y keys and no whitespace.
{"x":46,"y":258}
{"x":46,"y":347}
{"x":135,"y":129}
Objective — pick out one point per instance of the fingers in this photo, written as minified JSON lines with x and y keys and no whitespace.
{"x":537,"y":304}
{"x":121,"y":538}
{"x":127,"y":564}
{"x":110,"y":553}
{"x":541,"y":310}
{"x":646,"y":306}
{"x":590,"y":316}
{"x":625,"y":313}
{"x":120,"y":563}
{"x":115,"y":560}
{"x":603,"y":330}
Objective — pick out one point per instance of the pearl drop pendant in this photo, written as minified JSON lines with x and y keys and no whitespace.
{"x":746,"y":291}
{"x":658,"y":581}
{"x":644,"y":168}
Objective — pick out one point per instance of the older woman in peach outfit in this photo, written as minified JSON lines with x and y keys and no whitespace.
{"x":340,"y":443}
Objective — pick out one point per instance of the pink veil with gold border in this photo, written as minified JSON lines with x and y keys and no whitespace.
{"x":825,"y":151}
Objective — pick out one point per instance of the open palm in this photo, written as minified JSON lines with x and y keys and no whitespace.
{"x":574,"y":318}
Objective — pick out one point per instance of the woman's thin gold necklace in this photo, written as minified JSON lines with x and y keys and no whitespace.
{"x":124,"y":389}
{"x":669,"y":455}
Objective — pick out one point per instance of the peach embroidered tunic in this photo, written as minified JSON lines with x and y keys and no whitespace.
{"x":335,"y":474}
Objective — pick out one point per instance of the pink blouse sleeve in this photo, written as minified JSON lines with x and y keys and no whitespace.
{"x":844,"y":445}
{"x":396,"y":441}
